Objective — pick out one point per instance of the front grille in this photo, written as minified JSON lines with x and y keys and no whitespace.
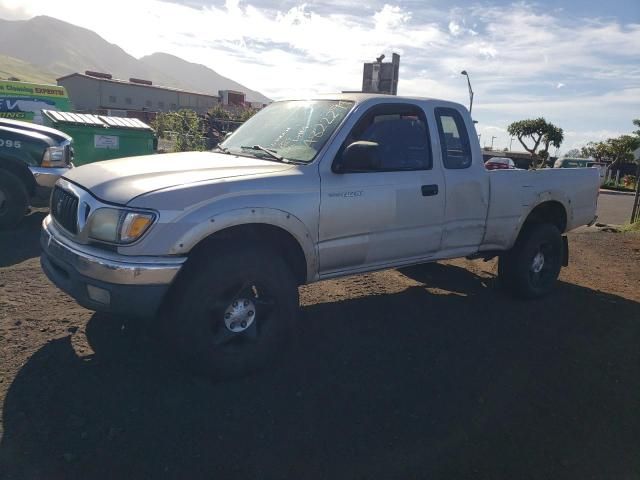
{"x":64,"y":208}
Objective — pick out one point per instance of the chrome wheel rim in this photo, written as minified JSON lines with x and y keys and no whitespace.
{"x":538,"y":262}
{"x":240,"y":315}
{"x":234,"y":317}
{"x":542,"y":269}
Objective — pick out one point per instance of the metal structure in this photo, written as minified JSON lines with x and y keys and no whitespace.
{"x":379,"y":77}
{"x":635,"y":212}
{"x":464,"y":72}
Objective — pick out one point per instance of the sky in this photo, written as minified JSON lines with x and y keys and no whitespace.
{"x":575,"y":62}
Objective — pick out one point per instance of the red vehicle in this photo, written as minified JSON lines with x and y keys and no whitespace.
{"x":500,"y":163}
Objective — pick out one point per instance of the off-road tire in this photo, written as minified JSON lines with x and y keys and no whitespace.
{"x":14,"y":200}
{"x":195,"y":310}
{"x":517,"y":267}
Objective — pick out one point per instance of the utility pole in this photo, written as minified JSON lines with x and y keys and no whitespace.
{"x":492,"y":138}
{"x":510,"y":143}
{"x":635,"y":212}
{"x":464,"y":72}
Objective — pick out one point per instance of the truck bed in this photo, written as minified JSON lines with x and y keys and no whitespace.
{"x":514,"y":193}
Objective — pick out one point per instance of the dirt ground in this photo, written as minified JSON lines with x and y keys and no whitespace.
{"x":426,"y":372}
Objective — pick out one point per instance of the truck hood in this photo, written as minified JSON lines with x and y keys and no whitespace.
{"x":32,"y":127}
{"x":120,"y":181}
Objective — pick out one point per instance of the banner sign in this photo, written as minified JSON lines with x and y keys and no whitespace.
{"x":25,"y":101}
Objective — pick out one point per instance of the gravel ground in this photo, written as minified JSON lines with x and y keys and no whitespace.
{"x":426,"y":372}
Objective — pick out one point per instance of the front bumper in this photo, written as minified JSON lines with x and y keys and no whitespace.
{"x":105,"y":281}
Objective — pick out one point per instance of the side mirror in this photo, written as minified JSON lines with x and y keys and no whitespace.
{"x":359,"y":156}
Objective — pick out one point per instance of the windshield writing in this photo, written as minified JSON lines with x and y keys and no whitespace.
{"x":295,"y":130}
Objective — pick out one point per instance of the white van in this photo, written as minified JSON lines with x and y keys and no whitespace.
{"x":583,"y":163}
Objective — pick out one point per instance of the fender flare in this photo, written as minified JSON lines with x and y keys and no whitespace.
{"x":252,"y":215}
{"x":543,"y":197}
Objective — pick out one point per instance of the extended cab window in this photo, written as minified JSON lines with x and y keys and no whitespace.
{"x":454,"y":140}
{"x":400,"y":131}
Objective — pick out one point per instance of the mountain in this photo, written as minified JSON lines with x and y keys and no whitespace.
{"x":51,"y":46}
{"x":193,"y":76}
{"x":13,"y":67}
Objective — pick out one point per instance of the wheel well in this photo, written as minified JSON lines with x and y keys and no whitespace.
{"x":276,"y":238}
{"x":548,"y":212}
{"x":20,"y":170}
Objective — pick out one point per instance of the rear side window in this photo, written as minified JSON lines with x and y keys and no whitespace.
{"x":454,"y":139}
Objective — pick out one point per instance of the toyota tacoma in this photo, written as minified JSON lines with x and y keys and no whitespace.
{"x":214,"y":245}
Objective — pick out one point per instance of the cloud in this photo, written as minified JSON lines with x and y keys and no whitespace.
{"x":13,"y":10}
{"x":390,"y":17}
{"x":290,"y":49}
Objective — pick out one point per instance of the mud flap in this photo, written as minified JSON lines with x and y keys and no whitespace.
{"x":565,"y":251}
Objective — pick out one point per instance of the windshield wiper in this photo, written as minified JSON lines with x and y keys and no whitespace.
{"x":270,"y":151}
{"x":222,"y":149}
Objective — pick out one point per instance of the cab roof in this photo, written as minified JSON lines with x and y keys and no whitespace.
{"x":360,"y":98}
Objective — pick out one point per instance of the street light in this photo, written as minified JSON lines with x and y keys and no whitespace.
{"x":492,"y":138}
{"x":464,"y":72}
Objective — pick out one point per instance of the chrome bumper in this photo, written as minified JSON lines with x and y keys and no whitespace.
{"x":107,"y":267}
{"x":47,"y":177}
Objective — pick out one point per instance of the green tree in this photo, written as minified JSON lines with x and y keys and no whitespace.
{"x":219,"y":113}
{"x":573,"y":153}
{"x":184,"y":128}
{"x":237,"y":115}
{"x":541,"y":134}
{"x":615,"y":150}
{"x":246,"y":114}
{"x":599,"y":151}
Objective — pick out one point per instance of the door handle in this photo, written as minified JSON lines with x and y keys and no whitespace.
{"x":429,"y":190}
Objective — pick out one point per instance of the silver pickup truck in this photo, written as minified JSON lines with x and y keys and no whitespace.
{"x":215,"y":244}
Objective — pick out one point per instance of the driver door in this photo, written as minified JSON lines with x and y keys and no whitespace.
{"x":390,"y":213}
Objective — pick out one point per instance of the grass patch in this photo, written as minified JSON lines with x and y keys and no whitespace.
{"x":26,"y":72}
{"x":619,"y":188}
{"x":630,"y":227}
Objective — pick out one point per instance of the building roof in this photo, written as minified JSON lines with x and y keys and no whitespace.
{"x":135,"y":84}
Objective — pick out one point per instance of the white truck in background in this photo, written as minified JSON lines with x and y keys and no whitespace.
{"x":214,"y":244}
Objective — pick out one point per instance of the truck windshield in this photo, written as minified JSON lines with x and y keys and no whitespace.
{"x":295,"y":130}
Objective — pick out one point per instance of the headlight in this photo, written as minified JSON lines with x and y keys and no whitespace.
{"x":54,"y":157}
{"x":119,"y":226}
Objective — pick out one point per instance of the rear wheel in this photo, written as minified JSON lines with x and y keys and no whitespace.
{"x":232,"y":313}
{"x":14,"y":199}
{"x":530,"y":269}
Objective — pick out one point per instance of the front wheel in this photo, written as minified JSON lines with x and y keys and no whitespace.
{"x":530,"y":269}
{"x":232,"y":313}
